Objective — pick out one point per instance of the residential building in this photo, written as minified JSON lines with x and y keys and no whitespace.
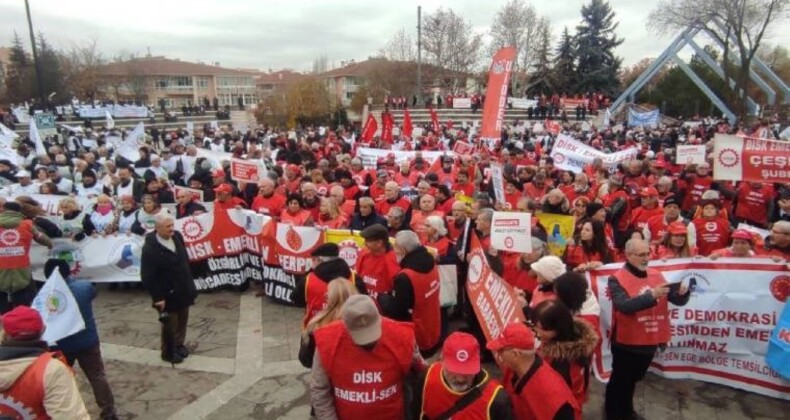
{"x":277,"y":83}
{"x":177,"y":82}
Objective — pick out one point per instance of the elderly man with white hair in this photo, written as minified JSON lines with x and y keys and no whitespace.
{"x":165,"y":273}
{"x":415,"y":295}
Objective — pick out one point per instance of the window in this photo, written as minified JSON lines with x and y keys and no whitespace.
{"x":162,"y":84}
{"x":183,"y":82}
{"x":201,"y":82}
{"x":350,"y":95}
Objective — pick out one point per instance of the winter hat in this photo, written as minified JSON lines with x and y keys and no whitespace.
{"x":23,"y":323}
{"x":550,"y":267}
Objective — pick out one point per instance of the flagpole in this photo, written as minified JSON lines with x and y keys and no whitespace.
{"x":35,"y":54}
{"x":419,"y":55}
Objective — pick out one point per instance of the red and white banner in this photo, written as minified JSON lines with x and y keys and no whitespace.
{"x":493,"y":300}
{"x":722,"y":334}
{"x":245,"y":170}
{"x":371,"y":126}
{"x":496,"y":93}
{"x":572,"y":155}
{"x":435,"y":121}
{"x":738,"y":158}
{"x":463,"y":148}
{"x":553,"y":126}
{"x":511,"y":231}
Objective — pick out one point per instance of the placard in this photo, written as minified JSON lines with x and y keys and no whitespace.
{"x":245,"y":170}
{"x":511,"y":231}
{"x":738,"y":158}
{"x":498,"y":181}
{"x":690,"y":155}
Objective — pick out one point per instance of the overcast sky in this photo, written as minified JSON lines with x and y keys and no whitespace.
{"x":276,"y":34}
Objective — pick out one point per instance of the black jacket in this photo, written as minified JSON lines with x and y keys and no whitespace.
{"x":359,"y":222}
{"x":189,"y":209}
{"x":166,"y":274}
{"x":326,"y":272}
{"x":399,"y":304}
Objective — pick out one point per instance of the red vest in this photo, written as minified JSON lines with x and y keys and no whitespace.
{"x":437,"y":397}
{"x":366,"y":384}
{"x":417,"y":223}
{"x":28,"y":390}
{"x":646,"y":327}
{"x":539,"y":296}
{"x":383,"y":207}
{"x":377,"y":271}
{"x":753,"y":203}
{"x":640,"y":216}
{"x":426,"y":313}
{"x":315,"y":296}
{"x":695,"y":190}
{"x":544,"y":393}
{"x":298,"y":219}
{"x":15,"y":245}
{"x":711,"y":234}
{"x":272,"y":206}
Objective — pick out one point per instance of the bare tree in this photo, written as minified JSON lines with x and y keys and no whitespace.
{"x":517,"y":24}
{"x":743,"y":25}
{"x":320,"y":64}
{"x":80,"y":66}
{"x":450,"y":42}
{"x":401,"y":47}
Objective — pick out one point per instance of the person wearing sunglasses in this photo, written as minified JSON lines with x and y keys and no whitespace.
{"x":640,"y":298}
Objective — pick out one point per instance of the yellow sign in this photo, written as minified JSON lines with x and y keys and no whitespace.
{"x":560,"y":229}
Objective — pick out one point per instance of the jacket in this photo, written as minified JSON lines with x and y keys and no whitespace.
{"x":400,"y":303}
{"x":572,"y":359}
{"x":12,"y":278}
{"x":84,"y":292}
{"x":359,"y":222}
{"x":62,"y":399}
{"x":166,"y":274}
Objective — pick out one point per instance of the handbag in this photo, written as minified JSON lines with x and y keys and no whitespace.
{"x":778,"y":355}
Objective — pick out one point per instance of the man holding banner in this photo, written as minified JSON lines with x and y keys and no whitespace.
{"x":640,"y":297}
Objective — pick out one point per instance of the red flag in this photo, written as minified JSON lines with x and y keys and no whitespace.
{"x":496,"y":93}
{"x":370,"y":129}
{"x":552,"y":126}
{"x":386,"y":127}
{"x":435,"y":121}
{"x":408,"y":128}
{"x":449,"y":124}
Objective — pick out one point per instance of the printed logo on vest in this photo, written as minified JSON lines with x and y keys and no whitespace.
{"x":9,"y":407}
{"x":9,"y":237}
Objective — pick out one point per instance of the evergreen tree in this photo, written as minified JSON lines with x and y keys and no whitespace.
{"x":597,"y":66}
{"x":49,"y":65}
{"x":564,"y":63}
{"x":543,"y":79}
{"x":19,"y":75}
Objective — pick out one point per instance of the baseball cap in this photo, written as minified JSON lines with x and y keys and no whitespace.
{"x":677,"y":228}
{"x":515,"y":335}
{"x":648,"y":192}
{"x":375,"y":232}
{"x":23,"y":323}
{"x":461,"y":354}
{"x":671,"y":200}
{"x":742,"y":234}
{"x":23,"y":174}
{"x":224,"y":187}
{"x":326,"y":250}
{"x":362,"y":319}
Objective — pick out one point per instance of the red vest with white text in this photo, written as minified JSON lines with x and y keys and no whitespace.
{"x":426,"y":313}
{"x":437,"y":397}
{"x":15,"y":245}
{"x":366,"y":384}
{"x":646,"y":327}
{"x":712,"y":234}
{"x":377,"y":271}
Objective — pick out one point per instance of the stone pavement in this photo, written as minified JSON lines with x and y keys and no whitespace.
{"x":245,"y":367}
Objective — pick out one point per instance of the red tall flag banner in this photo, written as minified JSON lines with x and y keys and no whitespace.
{"x":386,"y":127}
{"x":435,"y":122}
{"x":370,"y":129}
{"x":408,"y":128}
{"x":496,"y":94}
{"x":552,"y":126}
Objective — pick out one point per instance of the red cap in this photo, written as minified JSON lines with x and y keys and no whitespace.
{"x":648,"y":192}
{"x":677,"y":228}
{"x":660,"y":164}
{"x":218,"y":173}
{"x":515,"y":335}
{"x":293,"y":168}
{"x":23,"y":322}
{"x":743,"y":234}
{"x":224,"y":187}
{"x":461,"y":354}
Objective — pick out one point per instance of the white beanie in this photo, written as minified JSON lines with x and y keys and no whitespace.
{"x":550,"y":267}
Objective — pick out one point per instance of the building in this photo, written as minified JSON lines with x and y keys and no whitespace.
{"x":179,"y":83}
{"x":344,"y":82}
{"x":277,"y":83}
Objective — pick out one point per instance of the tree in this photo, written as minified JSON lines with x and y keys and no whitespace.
{"x":630,"y":74}
{"x":450,"y":42}
{"x":597,"y":66}
{"x":308,"y":102}
{"x":80,"y":67}
{"x":49,"y":66}
{"x":20,"y":78}
{"x":320,"y":64}
{"x":564,"y":63}
{"x":401,"y":47}
{"x":542,"y":78}
{"x":272,"y":110}
{"x":737,"y":26}
{"x":516,"y":24}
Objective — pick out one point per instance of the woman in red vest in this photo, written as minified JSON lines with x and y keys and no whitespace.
{"x":437,"y":236}
{"x":589,"y":250}
{"x":337,"y":293}
{"x":675,"y":244}
{"x":713,"y":230}
{"x":567,"y":344}
{"x":742,"y":246}
{"x":294,"y":214}
{"x":329,"y":215}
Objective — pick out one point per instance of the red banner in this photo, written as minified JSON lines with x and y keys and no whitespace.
{"x":552,"y":126}
{"x":494,"y":301}
{"x":370,"y":129}
{"x":496,"y":93}
{"x":738,"y":158}
{"x":386,"y":127}
{"x":463,"y":148}
{"x":408,"y":128}
{"x":435,"y":121}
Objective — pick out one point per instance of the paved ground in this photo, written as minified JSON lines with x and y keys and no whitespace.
{"x":245,"y":367}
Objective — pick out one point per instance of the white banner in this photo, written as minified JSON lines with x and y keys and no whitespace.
{"x":58,"y":309}
{"x":498,"y":180}
{"x":511,"y":231}
{"x":690,"y":155}
{"x":117,"y":111}
{"x":522,"y":103}
{"x":572,"y":155}
{"x":642,"y":119}
{"x":462,"y":102}
{"x":370,"y":156}
{"x":101,"y":259}
{"x":21,"y":115}
{"x":721,"y":335}
{"x":7,"y":132}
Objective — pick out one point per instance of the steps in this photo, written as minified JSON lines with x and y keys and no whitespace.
{"x":458,"y":116}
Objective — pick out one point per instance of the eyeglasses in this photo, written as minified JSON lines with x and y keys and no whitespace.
{"x":640,"y":254}
{"x":780,"y":233}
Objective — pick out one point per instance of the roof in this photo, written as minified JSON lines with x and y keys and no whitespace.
{"x":161,"y":66}
{"x":282,"y":77}
{"x":363,"y":68}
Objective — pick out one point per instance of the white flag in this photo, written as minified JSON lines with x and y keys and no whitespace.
{"x":58,"y":309}
{"x":606,"y":117}
{"x":190,"y":127}
{"x":137,"y":135}
{"x":109,"y":122}
{"x":5,"y":131}
{"x":130,"y":147}
{"x":214,"y":125}
{"x":9,"y":154}
{"x":36,"y":137}
{"x":6,"y":141}
{"x":72,"y":128}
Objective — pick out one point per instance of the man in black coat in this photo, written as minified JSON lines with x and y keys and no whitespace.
{"x":165,"y":273}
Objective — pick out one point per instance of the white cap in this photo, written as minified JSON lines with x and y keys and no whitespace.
{"x":23,"y":174}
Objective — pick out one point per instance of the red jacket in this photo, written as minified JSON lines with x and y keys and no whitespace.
{"x":753,"y":203}
{"x":426,"y":313}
